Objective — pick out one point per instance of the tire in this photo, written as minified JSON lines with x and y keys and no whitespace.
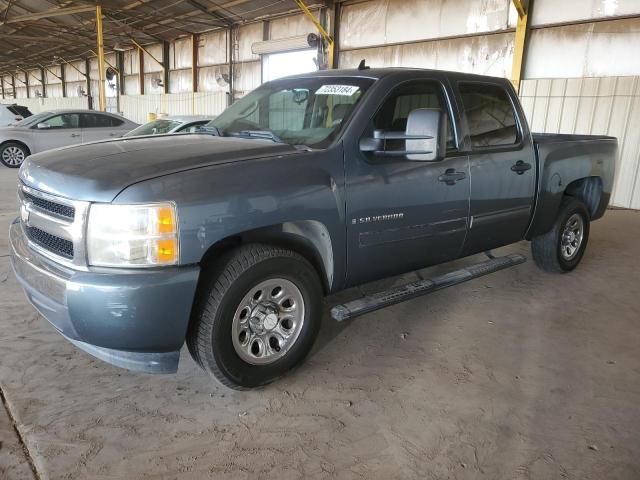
{"x":239,"y":306}
{"x":13,"y":154}
{"x":555,"y":252}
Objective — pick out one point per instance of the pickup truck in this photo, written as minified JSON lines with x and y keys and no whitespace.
{"x":229,"y":240}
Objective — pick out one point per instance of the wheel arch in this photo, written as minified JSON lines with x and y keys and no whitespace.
{"x":588,"y":190}
{"x":309,"y":238}
{"x":19,"y":142}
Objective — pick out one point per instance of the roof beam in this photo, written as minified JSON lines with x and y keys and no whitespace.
{"x":55,"y":12}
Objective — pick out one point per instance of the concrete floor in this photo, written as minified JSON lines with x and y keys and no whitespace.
{"x":517,"y":375}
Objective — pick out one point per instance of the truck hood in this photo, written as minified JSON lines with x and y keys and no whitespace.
{"x":99,"y":171}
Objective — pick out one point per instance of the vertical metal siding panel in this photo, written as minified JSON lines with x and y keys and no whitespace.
{"x":628,"y":170}
{"x":596,"y":106}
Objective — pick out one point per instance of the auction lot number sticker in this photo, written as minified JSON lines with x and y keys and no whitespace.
{"x":346,"y":90}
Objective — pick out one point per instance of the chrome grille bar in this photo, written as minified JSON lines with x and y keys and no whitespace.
{"x":55,"y":226}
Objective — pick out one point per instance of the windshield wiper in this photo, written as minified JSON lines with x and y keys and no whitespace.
{"x":263,"y":134}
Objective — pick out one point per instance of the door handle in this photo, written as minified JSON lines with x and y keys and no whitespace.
{"x":74,"y":135}
{"x":113,"y":134}
{"x":520,"y":167}
{"x":450,"y":176}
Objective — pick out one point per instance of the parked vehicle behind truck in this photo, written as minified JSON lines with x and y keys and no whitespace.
{"x":309,"y":185}
{"x":57,"y":128}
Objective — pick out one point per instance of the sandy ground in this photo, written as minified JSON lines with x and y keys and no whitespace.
{"x":517,"y":375}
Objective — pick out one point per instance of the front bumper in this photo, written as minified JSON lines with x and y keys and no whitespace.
{"x":134,"y":319}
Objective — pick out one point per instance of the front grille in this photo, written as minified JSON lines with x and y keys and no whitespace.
{"x":51,"y":207}
{"x":54,"y":244}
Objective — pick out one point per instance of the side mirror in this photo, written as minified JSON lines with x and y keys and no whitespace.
{"x":43,"y":126}
{"x":426,"y":125}
{"x":424,"y":138}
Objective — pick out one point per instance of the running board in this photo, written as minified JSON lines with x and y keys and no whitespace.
{"x":395,"y":295}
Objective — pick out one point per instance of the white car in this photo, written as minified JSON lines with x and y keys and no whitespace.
{"x":171,"y":124}
{"x":10,"y":114}
{"x":54,"y":129}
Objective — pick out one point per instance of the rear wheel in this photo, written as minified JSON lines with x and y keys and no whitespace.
{"x":257,"y":316}
{"x":561,"y":248}
{"x":12,"y":154}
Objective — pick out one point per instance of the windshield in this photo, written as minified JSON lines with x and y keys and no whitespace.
{"x":33,"y":119}
{"x":298,"y":111}
{"x":156,"y":127}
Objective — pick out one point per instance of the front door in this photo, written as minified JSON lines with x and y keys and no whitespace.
{"x":502,"y":165}
{"x":63,"y":130}
{"x":403,"y":215}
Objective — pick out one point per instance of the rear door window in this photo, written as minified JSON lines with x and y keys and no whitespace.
{"x":490,"y":115}
{"x":95,"y":120}
{"x":192,"y":127}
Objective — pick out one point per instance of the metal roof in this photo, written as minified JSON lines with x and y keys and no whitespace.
{"x":32,"y":32}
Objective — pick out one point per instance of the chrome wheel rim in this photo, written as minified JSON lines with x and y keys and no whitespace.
{"x":268,"y":321}
{"x":13,"y":155}
{"x":572,"y":236}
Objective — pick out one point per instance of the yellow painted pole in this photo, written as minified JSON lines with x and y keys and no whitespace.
{"x":323,"y":32}
{"x":519,"y":42}
{"x":101,"y":68}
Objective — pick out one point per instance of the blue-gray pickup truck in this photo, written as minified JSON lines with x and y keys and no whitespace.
{"x":229,"y":239}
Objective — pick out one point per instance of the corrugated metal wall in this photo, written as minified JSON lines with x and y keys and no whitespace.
{"x":137,"y":107}
{"x":593,"y":106}
{"x":429,"y":34}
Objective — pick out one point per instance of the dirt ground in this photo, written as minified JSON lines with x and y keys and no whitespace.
{"x":518,"y":375}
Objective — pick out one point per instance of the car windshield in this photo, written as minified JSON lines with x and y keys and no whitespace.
{"x":298,"y":111}
{"x":156,"y":127}
{"x":33,"y":119}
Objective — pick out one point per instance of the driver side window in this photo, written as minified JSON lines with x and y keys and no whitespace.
{"x":410,"y":96}
{"x":66,"y":120}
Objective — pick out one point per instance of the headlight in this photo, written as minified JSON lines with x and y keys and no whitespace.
{"x":132,"y":235}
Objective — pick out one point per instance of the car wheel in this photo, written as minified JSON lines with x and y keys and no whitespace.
{"x":12,"y":154}
{"x":561,"y":249}
{"x":256,"y":317}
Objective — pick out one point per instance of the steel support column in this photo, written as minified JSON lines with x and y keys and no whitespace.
{"x":231,"y":67}
{"x":166,"y":62}
{"x":520,"y":43}
{"x":101,"y":65}
{"x":195,"y":41}
{"x":120,"y":63}
{"x":43,"y":78}
{"x":63,"y":80}
{"x":87,"y":75}
{"x":141,"y":71}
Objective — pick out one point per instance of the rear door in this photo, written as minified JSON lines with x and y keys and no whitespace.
{"x":501,"y":162}
{"x":401,"y":214}
{"x":97,"y":126}
{"x":64,"y":129}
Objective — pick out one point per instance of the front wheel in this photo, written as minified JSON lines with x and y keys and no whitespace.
{"x":13,"y":154}
{"x":257,"y":316}
{"x":561,"y":249}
